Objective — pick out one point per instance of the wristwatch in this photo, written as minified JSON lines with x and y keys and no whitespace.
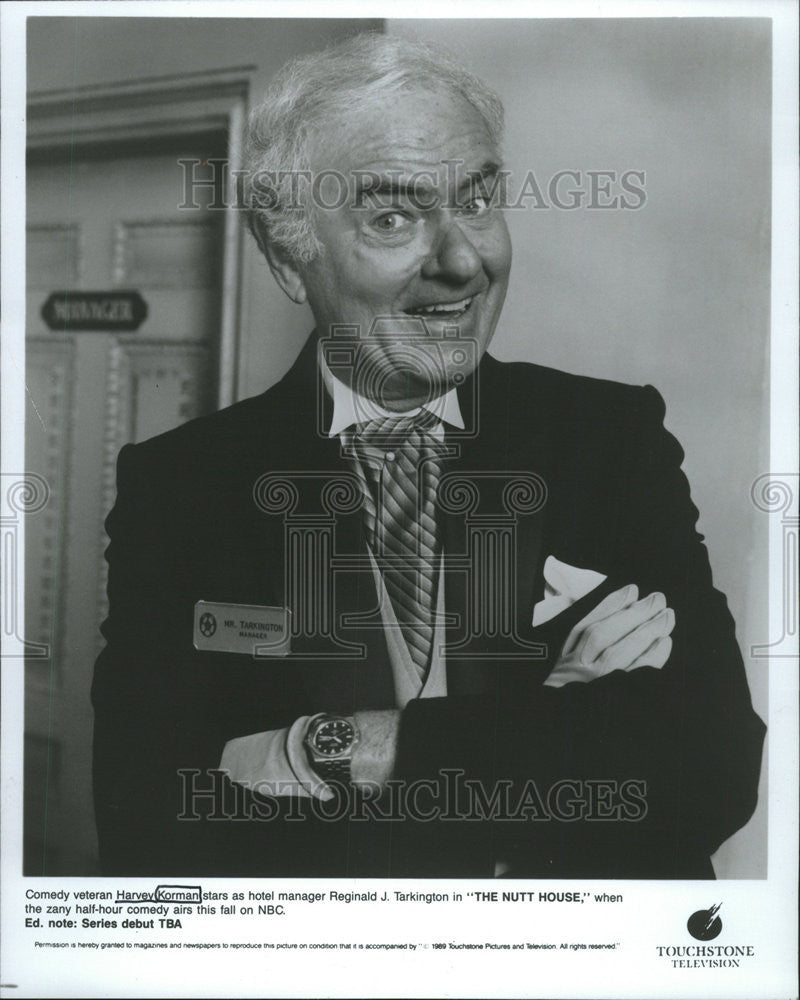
{"x":329,"y":743}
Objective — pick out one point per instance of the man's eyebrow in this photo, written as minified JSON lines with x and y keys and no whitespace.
{"x":474,"y":178}
{"x":391,"y":184}
{"x":486,"y":172}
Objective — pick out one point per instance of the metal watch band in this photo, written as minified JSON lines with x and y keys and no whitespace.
{"x":333,"y":770}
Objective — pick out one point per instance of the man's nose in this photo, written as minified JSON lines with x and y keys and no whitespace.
{"x":453,"y":258}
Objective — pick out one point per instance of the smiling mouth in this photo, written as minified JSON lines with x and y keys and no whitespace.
{"x":443,"y":310}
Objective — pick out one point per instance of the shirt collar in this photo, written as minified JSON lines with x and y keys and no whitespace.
{"x":350,"y":407}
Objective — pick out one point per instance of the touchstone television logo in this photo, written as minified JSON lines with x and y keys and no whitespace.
{"x":705,"y":925}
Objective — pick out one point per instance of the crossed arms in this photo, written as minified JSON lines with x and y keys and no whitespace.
{"x":622,"y":632}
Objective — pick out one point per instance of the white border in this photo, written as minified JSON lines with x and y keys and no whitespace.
{"x":764,"y":910}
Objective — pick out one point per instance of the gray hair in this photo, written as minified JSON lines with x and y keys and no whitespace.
{"x":314,"y":89}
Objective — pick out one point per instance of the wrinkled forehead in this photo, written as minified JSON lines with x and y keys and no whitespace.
{"x":404,"y":132}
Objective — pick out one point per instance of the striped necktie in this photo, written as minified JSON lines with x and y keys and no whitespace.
{"x":400,"y":517}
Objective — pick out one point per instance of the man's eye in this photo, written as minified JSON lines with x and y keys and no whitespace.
{"x":391,"y":222}
{"x":476,"y":205}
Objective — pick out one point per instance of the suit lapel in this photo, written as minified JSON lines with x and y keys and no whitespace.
{"x":499,"y":447}
{"x":318,"y":550}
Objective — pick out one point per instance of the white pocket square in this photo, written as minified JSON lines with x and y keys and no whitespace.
{"x":563,"y":586}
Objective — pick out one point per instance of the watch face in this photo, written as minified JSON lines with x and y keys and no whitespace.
{"x":333,"y":738}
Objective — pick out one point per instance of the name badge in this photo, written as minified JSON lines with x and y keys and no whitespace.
{"x":241,"y":628}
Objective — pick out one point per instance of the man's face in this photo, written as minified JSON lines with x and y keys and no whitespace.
{"x":425,"y":258}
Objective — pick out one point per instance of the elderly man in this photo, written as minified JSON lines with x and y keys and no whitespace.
{"x":412,"y":611}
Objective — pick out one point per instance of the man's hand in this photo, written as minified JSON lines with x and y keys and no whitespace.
{"x":374,"y":755}
{"x":621,"y":633}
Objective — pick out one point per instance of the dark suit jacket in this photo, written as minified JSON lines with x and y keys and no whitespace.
{"x":186,"y":527}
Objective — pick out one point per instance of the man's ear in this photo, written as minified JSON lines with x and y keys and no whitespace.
{"x":286,"y":273}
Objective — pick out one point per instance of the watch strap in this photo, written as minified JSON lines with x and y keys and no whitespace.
{"x":334,"y":770}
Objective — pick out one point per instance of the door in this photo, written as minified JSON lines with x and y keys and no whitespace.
{"x":99,"y":220}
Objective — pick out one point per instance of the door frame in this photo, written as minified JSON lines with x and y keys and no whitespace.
{"x":183,"y":104}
